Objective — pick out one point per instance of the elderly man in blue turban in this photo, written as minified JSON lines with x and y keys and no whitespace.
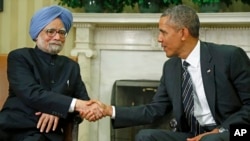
{"x":41,"y":22}
{"x":46,"y":91}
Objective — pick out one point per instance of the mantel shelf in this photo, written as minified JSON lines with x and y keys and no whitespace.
{"x":228,"y":18}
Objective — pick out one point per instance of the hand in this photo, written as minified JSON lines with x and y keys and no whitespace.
{"x":47,"y":121}
{"x":93,"y":114}
{"x":198,"y":137}
{"x":89,"y":110}
{"x":107,"y":110}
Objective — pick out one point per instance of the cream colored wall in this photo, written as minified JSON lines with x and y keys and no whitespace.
{"x":14,"y":24}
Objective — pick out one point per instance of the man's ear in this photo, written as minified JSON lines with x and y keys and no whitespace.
{"x":185,"y":33}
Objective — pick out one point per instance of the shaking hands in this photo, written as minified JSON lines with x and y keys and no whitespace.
{"x":90,"y":110}
{"x":93,"y":110}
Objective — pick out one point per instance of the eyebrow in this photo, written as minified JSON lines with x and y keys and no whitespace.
{"x":56,"y":28}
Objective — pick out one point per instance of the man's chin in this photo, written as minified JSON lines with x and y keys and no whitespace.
{"x":170,"y":55}
{"x":55,"y":50}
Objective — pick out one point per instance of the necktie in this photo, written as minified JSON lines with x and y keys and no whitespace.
{"x":188,"y":100}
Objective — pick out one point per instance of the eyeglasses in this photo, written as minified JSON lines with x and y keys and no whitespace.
{"x":52,"y":32}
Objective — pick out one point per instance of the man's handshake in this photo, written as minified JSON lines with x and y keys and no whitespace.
{"x":93,"y":110}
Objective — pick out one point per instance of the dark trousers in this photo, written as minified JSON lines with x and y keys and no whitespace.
{"x":164,"y":135}
{"x":39,"y":137}
{"x":28,"y":136}
{"x":35,"y":137}
{"x":4,"y":136}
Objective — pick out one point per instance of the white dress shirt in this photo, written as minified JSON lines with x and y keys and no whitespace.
{"x":201,"y":109}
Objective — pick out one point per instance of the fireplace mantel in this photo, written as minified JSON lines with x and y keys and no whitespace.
{"x":113,"y":46}
{"x":86,"y":23}
{"x":228,"y":18}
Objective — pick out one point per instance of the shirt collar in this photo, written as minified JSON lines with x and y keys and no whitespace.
{"x":194,"y":57}
{"x":46,"y":56}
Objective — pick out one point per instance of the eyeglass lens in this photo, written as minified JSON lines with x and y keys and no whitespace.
{"x":52,"y":33}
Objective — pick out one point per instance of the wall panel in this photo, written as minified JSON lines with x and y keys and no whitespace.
{"x":14,"y":24}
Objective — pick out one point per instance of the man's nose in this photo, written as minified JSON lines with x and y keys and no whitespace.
{"x":57,"y":36}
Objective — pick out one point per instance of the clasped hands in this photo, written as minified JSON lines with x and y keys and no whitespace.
{"x":93,"y":110}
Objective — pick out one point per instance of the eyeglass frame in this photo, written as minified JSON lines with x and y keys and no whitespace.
{"x":62,"y":33}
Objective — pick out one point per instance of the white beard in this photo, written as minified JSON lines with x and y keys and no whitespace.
{"x":54,"y":49}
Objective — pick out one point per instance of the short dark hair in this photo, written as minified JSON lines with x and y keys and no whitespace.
{"x":183,"y":16}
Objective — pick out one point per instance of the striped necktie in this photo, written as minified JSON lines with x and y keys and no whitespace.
{"x":188,"y":100}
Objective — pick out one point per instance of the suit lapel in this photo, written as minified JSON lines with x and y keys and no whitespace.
{"x":207,"y":72}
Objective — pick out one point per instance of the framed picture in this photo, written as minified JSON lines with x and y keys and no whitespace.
{"x":1,"y":5}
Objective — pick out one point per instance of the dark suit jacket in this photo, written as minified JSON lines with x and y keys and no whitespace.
{"x":226,"y":76}
{"x":39,"y":82}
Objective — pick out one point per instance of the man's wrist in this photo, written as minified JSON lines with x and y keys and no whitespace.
{"x":79,"y":105}
{"x":222,"y":129}
{"x":109,"y":110}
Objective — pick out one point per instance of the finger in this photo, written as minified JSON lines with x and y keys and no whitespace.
{"x":56,"y":120}
{"x":90,"y":102}
{"x":92,"y":118}
{"x":40,"y":121}
{"x":99,"y":103}
{"x":89,"y":115}
{"x":82,"y":113}
{"x":49,"y":123}
{"x":190,"y":139}
{"x":38,"y":113}
{"x":44,"y":123}
{"x":102,"y":113}
{"x":99,"y":112}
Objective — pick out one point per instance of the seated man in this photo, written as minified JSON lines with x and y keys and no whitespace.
{"x":206,"y":85}
{"x":45,"y":89}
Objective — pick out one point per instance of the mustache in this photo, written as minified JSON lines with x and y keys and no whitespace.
{"x":56,"y":43}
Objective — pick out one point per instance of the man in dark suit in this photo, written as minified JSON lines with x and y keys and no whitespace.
{"x":219,"y":85}
{"x":46,"y":91}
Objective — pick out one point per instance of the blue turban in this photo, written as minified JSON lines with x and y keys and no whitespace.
{"x":47,"y":14}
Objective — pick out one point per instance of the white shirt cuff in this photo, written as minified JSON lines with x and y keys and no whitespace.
{"x":72,"y":105}
{"x":113,"y":113}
